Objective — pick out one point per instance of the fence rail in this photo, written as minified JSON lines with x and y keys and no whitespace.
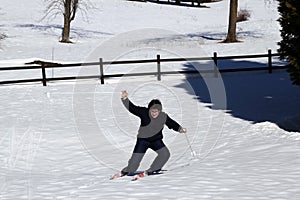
{"x":102,"y":76}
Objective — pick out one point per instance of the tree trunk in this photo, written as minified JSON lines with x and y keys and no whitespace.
{"x":177,"y":2}
{"x":231,"y":35}
{"x":67,"y":22}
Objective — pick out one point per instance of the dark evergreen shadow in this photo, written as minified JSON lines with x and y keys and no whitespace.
{"x":255,"y":96}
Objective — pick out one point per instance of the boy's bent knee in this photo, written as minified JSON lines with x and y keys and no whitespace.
{"x":163,"y":152}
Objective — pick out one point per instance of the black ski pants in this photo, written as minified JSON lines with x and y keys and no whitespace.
{"x":141,"y":146}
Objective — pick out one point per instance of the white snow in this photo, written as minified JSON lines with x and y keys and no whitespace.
{"x":63,"y":141}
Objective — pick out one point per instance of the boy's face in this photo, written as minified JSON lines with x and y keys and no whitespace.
{"x":154,"y":113}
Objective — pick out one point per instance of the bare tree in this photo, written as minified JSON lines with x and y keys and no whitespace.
{"x":68,"y":8}
{"x":233,"y":10}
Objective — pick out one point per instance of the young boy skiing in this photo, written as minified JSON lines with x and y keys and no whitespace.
{"x":149,"y":135}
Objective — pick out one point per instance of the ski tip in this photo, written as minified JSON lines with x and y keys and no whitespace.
{"x":138,"y":176}
{"x":115,"y":176}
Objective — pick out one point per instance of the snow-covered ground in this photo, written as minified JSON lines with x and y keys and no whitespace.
{"x":29,"y":36}
{"x":63,"y":141}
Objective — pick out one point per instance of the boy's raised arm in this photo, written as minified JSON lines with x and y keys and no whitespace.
{"x":136,"y":110}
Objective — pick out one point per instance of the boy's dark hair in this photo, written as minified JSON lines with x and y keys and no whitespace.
{"x":155,"y":104}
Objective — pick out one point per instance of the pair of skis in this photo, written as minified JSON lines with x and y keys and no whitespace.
{"x":136,"y":176}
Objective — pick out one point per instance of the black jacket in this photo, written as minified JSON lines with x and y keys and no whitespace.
{"x":150,"y":128}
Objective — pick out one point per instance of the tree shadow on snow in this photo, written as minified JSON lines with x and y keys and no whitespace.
{"x":255,"y":96}
{"x":198,"y":37}
{"x":54,"y":28}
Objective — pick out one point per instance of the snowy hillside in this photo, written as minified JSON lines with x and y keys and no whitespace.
{"x":29,"y":36}
{"x":65,"y":140}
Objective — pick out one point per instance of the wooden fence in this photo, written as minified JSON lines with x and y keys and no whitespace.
{"x":102,"y":76}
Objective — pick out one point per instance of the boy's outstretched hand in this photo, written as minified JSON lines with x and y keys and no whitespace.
{"x":183,"y":130}
{"x":124,"y":94}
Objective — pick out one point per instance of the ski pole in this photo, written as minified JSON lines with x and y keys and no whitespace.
{"x":190,"y":146}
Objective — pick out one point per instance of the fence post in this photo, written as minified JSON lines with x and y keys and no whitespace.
{"x":158,"y":68}
{"x":215,"y":64}
{"x":44,"y":74}
{"x":101,"y":71}
{"x":270,"y":61}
